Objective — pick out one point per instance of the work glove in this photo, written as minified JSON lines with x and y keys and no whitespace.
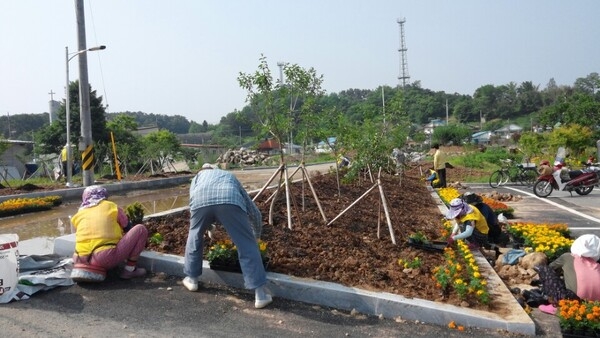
{"x":450,"y":241}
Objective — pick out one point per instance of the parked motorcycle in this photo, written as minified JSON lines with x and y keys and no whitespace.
{"x":581,"y":181}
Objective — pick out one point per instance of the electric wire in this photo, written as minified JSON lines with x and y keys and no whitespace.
{"x":91,"y":11}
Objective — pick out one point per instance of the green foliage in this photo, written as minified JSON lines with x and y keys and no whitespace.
{"x":574,"y":137}
{"x":481,"y":159}
{"x":52,"y":137}
{"x":277,"y":104}
{"x":135,"y":212}
{"x":156,"y":238}
{"x":160,"y":143}
{"x":452,"y":134}
{"x":3,"y":146}
{"x":534,"y":143}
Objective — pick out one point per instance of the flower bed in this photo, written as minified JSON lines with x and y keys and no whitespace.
{"x":551,"y":239}
{"x":450,"y":193}
{"x":18,"y":206}
{"x":579,"y":318}
{"x":461,"y":273}
{"x":223,"y":255}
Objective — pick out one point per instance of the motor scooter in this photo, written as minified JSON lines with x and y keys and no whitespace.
{"x":581,"y":181}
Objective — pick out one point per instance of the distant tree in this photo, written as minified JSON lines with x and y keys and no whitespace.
{"x":589,"y":84}
{"x":529,"y":98}
{"x":21,"y":126}
{"x":128,"y":144}
{"x":452,"y":134}
{"x":579,"y":108}
{"x":266,"y":96}
{"x":485,"y":101}
{"x":533,"y":144}
{"x":195,"y":128}
{"x":574,"y":137}
{"x":160,"y":146}
{"x":53,"y":136}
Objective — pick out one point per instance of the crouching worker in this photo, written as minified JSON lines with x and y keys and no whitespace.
{"x":580,"y":273}
{"x":495,"y":230}
{"x":470,"y":224}
{"x":432,"y":178}
{"x":217,"y":196}
{"x":101,"y":242}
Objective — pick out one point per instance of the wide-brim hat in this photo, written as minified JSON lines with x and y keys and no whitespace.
{"x":457,"y":207}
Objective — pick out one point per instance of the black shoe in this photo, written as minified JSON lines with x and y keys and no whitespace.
{"x":536,"y":282}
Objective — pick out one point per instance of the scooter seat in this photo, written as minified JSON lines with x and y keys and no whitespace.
{"x":575,"y":173}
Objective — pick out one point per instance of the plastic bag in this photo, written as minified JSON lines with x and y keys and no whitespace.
{"x":9,"y":267}
{"x":502,"y":219}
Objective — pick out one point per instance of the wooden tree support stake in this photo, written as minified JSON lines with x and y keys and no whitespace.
{"x":382,"y":200}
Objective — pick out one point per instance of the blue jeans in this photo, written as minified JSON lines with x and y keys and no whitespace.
{"x":236,"y":223}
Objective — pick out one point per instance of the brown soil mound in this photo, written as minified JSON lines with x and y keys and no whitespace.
{"x":356,"y":250}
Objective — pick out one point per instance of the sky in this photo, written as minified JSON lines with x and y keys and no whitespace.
{"x":184,"y":57}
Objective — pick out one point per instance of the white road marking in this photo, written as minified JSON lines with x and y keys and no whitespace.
{"x":573,"y":211}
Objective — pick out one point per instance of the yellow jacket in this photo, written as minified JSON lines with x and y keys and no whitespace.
{"x":439,"y":160}
{"x":63,"y":154}
{"x":477,"y":217}
{"x":96,"y":228}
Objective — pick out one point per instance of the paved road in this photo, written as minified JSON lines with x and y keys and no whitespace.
{"x":581,"y":213}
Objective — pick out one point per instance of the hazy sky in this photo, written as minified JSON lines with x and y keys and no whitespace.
{"x":183,"y":57}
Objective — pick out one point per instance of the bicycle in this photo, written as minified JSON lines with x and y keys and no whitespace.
{"x":525,"y":174}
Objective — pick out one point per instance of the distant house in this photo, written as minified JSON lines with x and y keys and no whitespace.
{"x":482,"y":137}
{"x":269,"y":146}
{"x":325,"y":147}
{"x":143,"y":131}
{"x":507,"y":131}
{"x":13,"y":160}
{"x":429,"y":127}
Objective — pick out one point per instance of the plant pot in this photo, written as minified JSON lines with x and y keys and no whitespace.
{"x":232,"y":266}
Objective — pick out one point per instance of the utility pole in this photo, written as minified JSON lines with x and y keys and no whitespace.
{"x":86,"y":144}
{"x":447,"y":121}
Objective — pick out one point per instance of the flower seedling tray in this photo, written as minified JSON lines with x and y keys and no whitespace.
{"x":435,"y":246}
{"x":232,"y":266}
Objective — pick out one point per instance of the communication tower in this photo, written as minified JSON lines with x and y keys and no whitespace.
{"x":403,"y":77}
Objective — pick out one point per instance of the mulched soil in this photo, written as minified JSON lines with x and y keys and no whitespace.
{"x":356,"y":250}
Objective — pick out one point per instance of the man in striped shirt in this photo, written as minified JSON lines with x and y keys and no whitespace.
{"x":217,"y":196}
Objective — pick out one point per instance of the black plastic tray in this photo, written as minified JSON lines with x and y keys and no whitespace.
{"x":436,"y":246}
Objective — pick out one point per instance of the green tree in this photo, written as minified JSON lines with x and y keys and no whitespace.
{"x":128,"y":144}
{"x":452,"y":134}
{"x":53,"y":136}
{"x":529,"y":98}
{"x":589,"y":84}
{"x":160,"y":146}
{"x":574,"y":137}
{"x":267,"y":95}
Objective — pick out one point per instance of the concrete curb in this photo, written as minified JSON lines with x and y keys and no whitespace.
{"x":513,"y":319}
{"x":75,"y":193}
